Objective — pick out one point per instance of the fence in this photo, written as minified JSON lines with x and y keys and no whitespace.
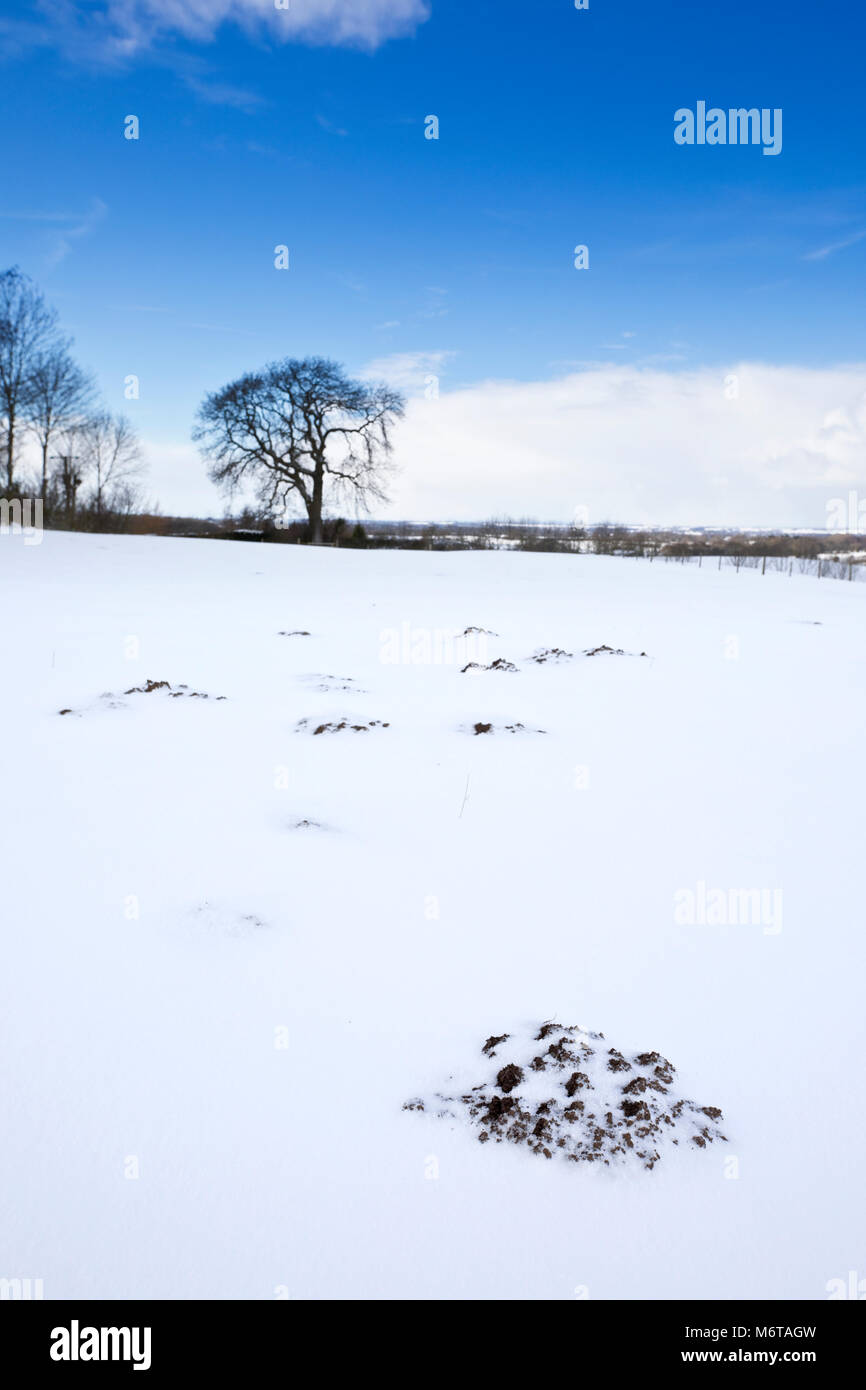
{"x":820,"y":567}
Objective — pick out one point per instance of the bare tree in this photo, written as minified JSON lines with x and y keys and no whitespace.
{"x":60,"y":392}
{"x":68,"y":475}
{"x":296,"y":427}
{"x":111,"y":460}
{"x":28,"y":328}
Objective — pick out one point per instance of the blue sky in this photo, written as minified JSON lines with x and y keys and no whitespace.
{"x":453,"y":256}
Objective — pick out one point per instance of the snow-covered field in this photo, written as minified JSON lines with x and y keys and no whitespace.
{"x":213,"y":1013}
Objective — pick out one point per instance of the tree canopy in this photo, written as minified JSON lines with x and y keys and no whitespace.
{"x":300,"y":431}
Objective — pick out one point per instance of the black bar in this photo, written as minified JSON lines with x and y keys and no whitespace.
{"x":215,"y":1340}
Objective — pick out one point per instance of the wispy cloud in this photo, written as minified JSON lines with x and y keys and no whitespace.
{"x":76,"y":231}
{"x":330,"y":127}
{"x":435,"y":306}
{"x":223,"y":93}
{"x":824,"y":251}
{"x":139,"y":309}
{"x":71,"y":226}
{"x":410,"y":372}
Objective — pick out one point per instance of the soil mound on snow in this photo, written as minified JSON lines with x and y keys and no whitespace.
{"x":564,"y":1092}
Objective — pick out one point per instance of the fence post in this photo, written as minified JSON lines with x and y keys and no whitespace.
{"x":764,"y":565}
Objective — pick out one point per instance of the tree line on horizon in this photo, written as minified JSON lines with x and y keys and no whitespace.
{"x":90,"y":463}
{"x":298,"y":434}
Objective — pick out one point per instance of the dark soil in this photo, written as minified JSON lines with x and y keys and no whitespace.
{"x":178,"y":693}
{"x":550,"y":654}
{"x":509,"y":1077}
{"x":500,"y":664}
{"x":609,"y":651}
{"x":148,"y":688}
{"x":337,"y":726}
{"x":589,"y":1115}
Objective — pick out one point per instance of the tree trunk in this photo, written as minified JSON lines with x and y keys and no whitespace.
{"x":44,"y":469}
{"x":316,"y":507}
{"x":10,"y":453}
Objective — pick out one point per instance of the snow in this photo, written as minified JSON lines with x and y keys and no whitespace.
{"x":233,"y":950}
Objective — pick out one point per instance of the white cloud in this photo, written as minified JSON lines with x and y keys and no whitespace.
{"x":362,"y":23}
{"x":639,"y":445}
{"x":636,"y":444}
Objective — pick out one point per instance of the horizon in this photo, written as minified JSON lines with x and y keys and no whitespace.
{"x":511,"y":521}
